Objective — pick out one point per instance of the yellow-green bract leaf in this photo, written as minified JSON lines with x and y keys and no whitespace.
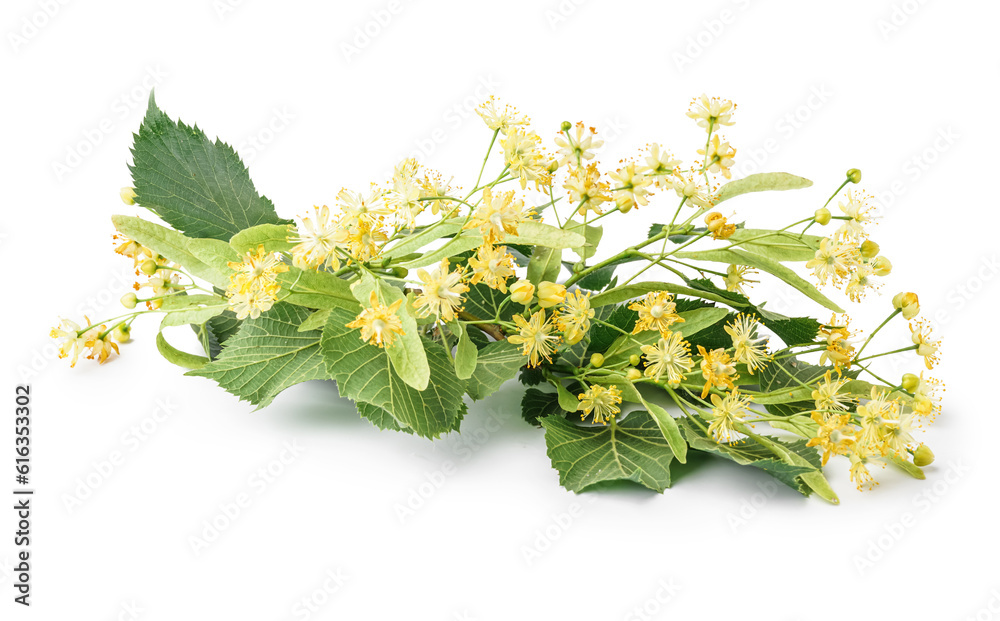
{"x":313,"y":289}
{"x":763,"y":263}
{"x":694,"y":322}
{"x":906,"y":466}
{"x":316,"y":321}
{"x":544,"y":264}
{"x":815,"y":479}
{"x":668,"y":427}
{"x":170,"y":244}
{"x":407,"y":354}
{"x":778,"y":245}
{"x":759,"y":183}
{"x":217,"y":254}
{"x":623,"y":293}
{"x":184,"y":309}
{"x":592,"y":234}
{"x":416,"y":241}
{"x":567,"y":400}
{"x":274,"y":238}
{"x":455,"y":245}
{"x":466,"y":354}
{"x":532,"y":233}
{"x":178,"y":357}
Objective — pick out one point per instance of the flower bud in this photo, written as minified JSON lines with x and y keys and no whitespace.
{"x":633,"y":374}
{"x":854,"y":175}
{"x":597,"y":360}
{"x":923,"y":456}
{"x":882,"y":266}
{"x":148,"y":267}
{"x":400,"y":272}
{"x":719,"y":226}
{"x":122,"y":334}
{"x":822,"y":216}
{"x":550,"y":294}
{"x":910,"y":382}
{"x":522,"y":291}
{"x":566,"y":126}
{"x":908,"y":303}
{"x":634,"y":360}
{"x":128,"y":196}
{"x":869,"y":249}
{"x":129,"y":300}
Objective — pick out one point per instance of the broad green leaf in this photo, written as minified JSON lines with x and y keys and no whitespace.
{"x":592,"y":234}
{"x":483,"y":302}
{"x":170,"y":244}
{"x":814,"y":479}
{"x":694,"y":322}
{"x":762,"y":262}
{"x":536,"y":405}
{"x":466,"y":354}
{"x":380,"y":418}
{"x":498,"y":362}
{"x":532,"y":233}
{"x":178,"y":357}
{"x":274,"y":238}
{"x":567,"y":400}
{"x":407,"y":354}
{"x":267,"y":355}
{"x":780,"y":246}
{"x":365,"y":374}
{"x":544,"y":265}
{"x":315,"y":321}
{"x":217,"y":255}
{"x":198,"y":186}
{"x":186,"y":309}
{"x":761,"y":182}
{"x":602,"y":336}
{"x":214,"y":333}
{"x":632,"y":449}
{"x":320,"y":290}
{"x":668,"y":427}
{"x":624,"y":293}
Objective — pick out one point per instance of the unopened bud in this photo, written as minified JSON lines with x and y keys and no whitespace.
{"x":148,"y":267}
{"x":550,"y":294}
{"x":854,"y":175}
{"x":869,"y":249}
{"x":129,"y":300}
{"x":634,"y":360}
{"x":122,"y":334}
{"x":128,"y":196}
{"x":882,"y":266}
{"x":908,"y":303}
{"x":566,"y":126}
{"x":633,"y":374}
{"x":597,"y":360}
{"x":522,"y":292}
{"x":923,"y":456}
{"x":822,"y":216}
{"x":910,"y":382}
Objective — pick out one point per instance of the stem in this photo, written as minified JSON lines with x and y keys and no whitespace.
{"x":874,"y":332}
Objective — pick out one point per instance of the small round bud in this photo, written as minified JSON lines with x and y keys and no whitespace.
{"x":908,"y":303}
{"x":400,"y":272}
{"x":129,"y":300}
{"x":854,"y":175}
{"x":579,"y":267}
{"x":910,"y":382}
{"x":597,"y":360}
{"x":522,"y":292}
{"x":128,"y":196}
{"x":553,"y":166}
{"x":869,"y":249}
{"x":634,"y":360}
{"x":148,"y":267}
{"x":633,"y":374}
{"x":923,"y":456}
{"x":122,"y":334}
{"x":566,"y":126}
{"x":550,"y":294}
{"x":882,"y":266}
{"x":822,"y":216}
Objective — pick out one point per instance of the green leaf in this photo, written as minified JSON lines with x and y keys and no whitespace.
{"x":178,"y":357}
{"x":197,"y":309}
{"x":785,"y":377}
{"x":416,"y":241}
{"x":455,"y":245}
{"x":668,"y":427}
{"x":592,"y":234}
{"x":602,"y":336}
{"x":537,"y":404}
{"x":198,"y":186}
{"x":315,"y":321}
{"x":365,"y":374}
{"x":320,"y":290}
{"x":217,"y":255}
{"x":596,"y":280}
{"x":761,"y":182}
{"x":532,"y":233}
{"x":274,"y":238}
{"x":544,"y":265}
{"x":624,"y":293}
{"x":216,"y":331}
{"x":466,"y":354}
{"x":632,"y":449}
{"x":498,"y":362}
{"x":407,"y":354}
{"x":483,"y":302}
{"x":380,"y":418}
{"x":764,"y":263}
{"x":172,"y":245}
{"x":780,"y":246}
{"x":567,"y":400}
{"x":266,"y":356}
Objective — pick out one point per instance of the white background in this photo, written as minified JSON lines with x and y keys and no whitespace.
{"x":905,"y":91}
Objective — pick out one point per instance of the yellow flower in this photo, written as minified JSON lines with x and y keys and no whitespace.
{"x":522,"y":292}
{"x":858,"y":211}
{"x":535,"y":338}
{"x":656,"y":312}
{"x":603,"y":402}
{"x":920,"y":334}
{"x":586,"y":190}
{"x":834,"y":434}
{"x":719,"y":157}
{"x":358,"y":210}
{"x":860,"y":282}
{"x":317,"y":241}
{"x":630,"y":188}
{"x":687,"y":187}
{"x":498,"y":216}
{"x":908,"y":303}
{"x":258,"y":270}
{"x":133,"y":250}
{"x":550,"y":294}
{"x":717,"y":369}
{"x":252,"y":303}
{"x":834,"y":260}
{"x":711,"y":113}
{"x":525,"y":158}
{"x":860,"y":474}
{"x":925,"y":399}
{"x":747,"y":348}
{"x":365,"y":242}
{"x":500,"y":120}
{"x":379,"y":323}
{"x":402,"y":199}
{"x":719,"y":226}
{"x":827,"y":394}
{"x":575,"y":149}
{"x":727,"y":414}
{"x":736,"y":277}
{"x":102,"y":346}
{"x":492,"y":265}
{"x":574,"y":320}
{"x":875,"y":418}
{"x":661,"y":166}
{"x":75,"y":340}
{"x":670,"y":355}
{"x":442,"y":292}
{"x":839,"y":348}
{"x":899,"y":434}
{"x":433,"y":186}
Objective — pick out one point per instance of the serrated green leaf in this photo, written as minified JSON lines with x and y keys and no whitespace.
{"x":483,"y":302}
{"x":216,"y":331}
{"x":198,"y":186}
{"x":274,"y":238}
{"x":498,"y":362}
{"x":380,"y":418}
{"x":466,"y":354}
{"x":761,"y":182}
{"x":537,"y":404}
{"x":365,"y":374}
{"x":632,"y":449}
{"x":602,"y":336}
{"x":320,"y":290}
{"x":266,"y":356}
